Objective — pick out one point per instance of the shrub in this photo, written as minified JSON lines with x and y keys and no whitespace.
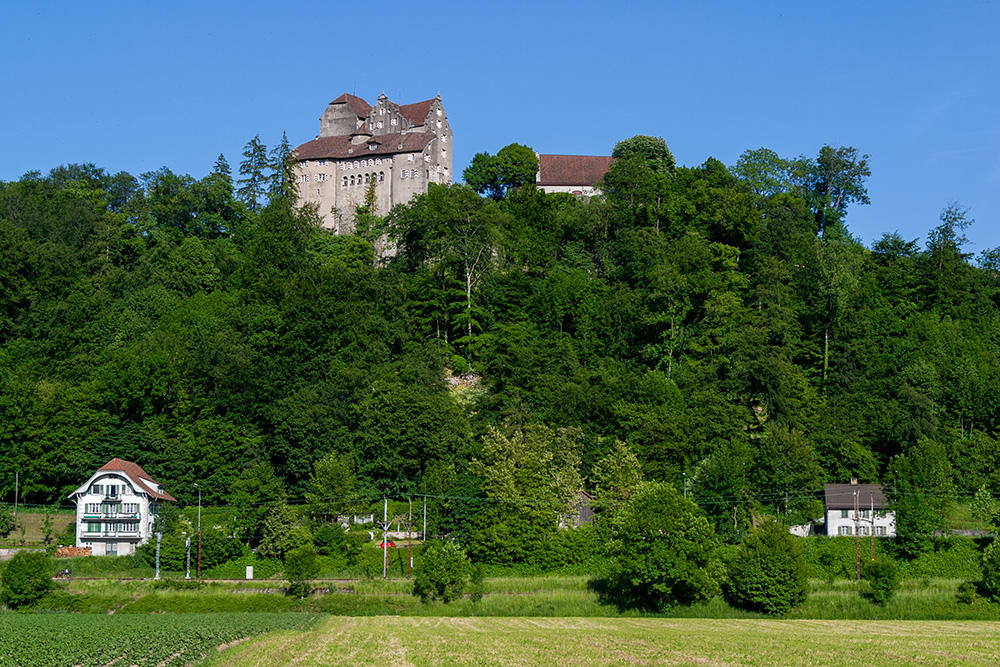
{"x":6,"y":520}
{"x":769,"y":571}
{"x":991,"y":569}
{"x":967,"y":593}
{"x":26,"y":579}
{"x":300,"y":567}
{"x":441,"y":573}
{"x":664,"y":551}
{"x":476,"y":584}
{"x":263,"y":568}
{"x":883,"y":577}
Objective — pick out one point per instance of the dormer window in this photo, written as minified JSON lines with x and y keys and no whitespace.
{"x":372,"y":146}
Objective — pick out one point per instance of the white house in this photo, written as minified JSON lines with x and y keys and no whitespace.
{"x":857,"y":510}
{"x":116,"y":507}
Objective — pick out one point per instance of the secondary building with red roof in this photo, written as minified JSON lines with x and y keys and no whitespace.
{"x":116,"y":507}
{"x":575,"y":174}
{"x":395,"y":149}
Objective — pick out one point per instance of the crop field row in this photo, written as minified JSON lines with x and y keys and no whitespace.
{"x":525,"y":642}
{"x":58,"y":640}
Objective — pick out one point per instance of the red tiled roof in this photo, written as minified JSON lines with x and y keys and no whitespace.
{"x":141,"y":477}
{"x":572,"y":169}
{"x":841,"y":496}
{"x":417,"y":112}
{"x":358,"y":105}
{"x":341,"y":146}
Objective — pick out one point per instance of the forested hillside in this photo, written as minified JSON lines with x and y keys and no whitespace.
{"x":714,"y":327}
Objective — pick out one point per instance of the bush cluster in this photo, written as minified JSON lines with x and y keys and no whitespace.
{"x":882,"y":576}
{"x":26,"y":579}
{"x":441,"y":573}
{"x":769,"y":571}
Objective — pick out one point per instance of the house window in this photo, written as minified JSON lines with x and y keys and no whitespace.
{"x":439,"y":113}
{"x":317,"y":192}
{"x":380,"y":125}
{"x":345,"y":181}
{"x":92,"y":508}
{"x":427,"y":158}
{"x":880,"y":531}
{"x":320,"y":177}
{"x":322,"y":163}
{"x":444,"y":139}
{"x":862,"y":530}
{"x":96,"y":489}
{"x":845,"y":530}
{"x":392,"y":122}
{"x":409,"y":157}
{"x":111,"y":549}
{"x":402,"y":173}
{"x":381,"y":176}
{"x":845,"y":514}
{"x":356,"y":165}
{"x":93,"y":527}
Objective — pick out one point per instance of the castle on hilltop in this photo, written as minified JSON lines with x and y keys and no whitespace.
{"x":400,"y":148}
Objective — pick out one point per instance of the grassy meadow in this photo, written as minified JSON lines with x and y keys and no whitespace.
{"x":534,"y":597}
{"x":397,"y":641}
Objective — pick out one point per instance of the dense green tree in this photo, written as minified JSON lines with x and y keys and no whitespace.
{"x":254,"y":174}
{"x":441,"y":573}
{"x":921,"y":493}
{"x":769,"y":572}
{"x":26,"y":579}
{"x":494,"y":176}
{"x":663,"y":550}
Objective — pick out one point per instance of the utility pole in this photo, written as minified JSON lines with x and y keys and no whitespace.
{"x":187,"y":555}
{"x":199,"y":529}
{"x":385,"y":536}
{"x":409,"y":538}
{"x":857,"y":536}
{"x":159,"y":537}
{"x":424,"y":537}
{"x":872,"y":515}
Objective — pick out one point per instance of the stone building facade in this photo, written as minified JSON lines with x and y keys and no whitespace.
{"x":396,"y":148}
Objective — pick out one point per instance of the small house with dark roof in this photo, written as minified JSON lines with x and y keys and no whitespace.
{"x":116,"y":507}
{"x":575,"y":174}
{"x":857,"y":510}
{"x":396,"y":149}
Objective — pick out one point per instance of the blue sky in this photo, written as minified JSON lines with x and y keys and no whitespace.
{"x":136,"y":86}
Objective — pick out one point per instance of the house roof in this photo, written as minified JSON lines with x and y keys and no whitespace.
{"x":417,"y":112}
{"x":341,"y":147}
{"x":357,"y":105}
{"x":138,"y":475}
{"x":841,"y":496}
{"x":580,"y":170}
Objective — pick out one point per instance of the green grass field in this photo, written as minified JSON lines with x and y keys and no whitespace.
{"x":397,"y":641}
